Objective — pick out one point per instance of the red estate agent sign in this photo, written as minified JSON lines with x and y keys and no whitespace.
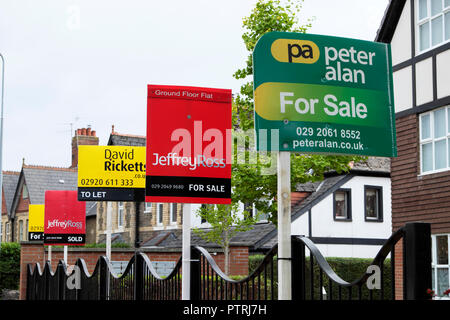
{"x":188,"y":145}
{"x":64,"y":219}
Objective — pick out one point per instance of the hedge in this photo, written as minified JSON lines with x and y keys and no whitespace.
{"x":9,"y":265}
{"x":349,"y":269}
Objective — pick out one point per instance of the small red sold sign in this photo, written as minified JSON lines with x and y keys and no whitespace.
{"x":64,"y":218}
{"x":188,"y":156}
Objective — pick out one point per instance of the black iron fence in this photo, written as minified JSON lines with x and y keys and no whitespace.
{"x":312,"y":276}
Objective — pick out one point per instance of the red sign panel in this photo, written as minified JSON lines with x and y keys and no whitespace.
{"x":188,"y":156}
{"x":64,"y":218}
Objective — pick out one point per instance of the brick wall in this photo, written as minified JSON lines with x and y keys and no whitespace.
{"x":37,"y":253}
{"x":399,"y":270}
{"x":84,"y":136}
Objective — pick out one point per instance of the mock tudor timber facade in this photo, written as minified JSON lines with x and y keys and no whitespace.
{"x":419,"y":34}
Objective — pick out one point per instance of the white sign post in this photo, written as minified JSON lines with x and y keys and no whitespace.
{"x":186,"y":253}
{"x":65,"y":255}
{"x":108,"y":230}
{"x":284,"y":225}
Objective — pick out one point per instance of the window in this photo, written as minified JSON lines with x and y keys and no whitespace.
{"x":147,"y":207}
{"x":20,"y":230}
{"x":159,"y":214}
{"x":342,"y":205}
{"x":435,"y":140}
{"x":440,"y":263}
{"x":255,"y":213}
{"x":373,"y":203}
{"x":24,"y":192}
{"x":203,"y":219}
{"x":248,"y":207}
{"x":261,"y":216}
{"x":173,"y":213}
{"x":7,"y":231}
{"x":120,"y":215}
{"x":433,"y":23}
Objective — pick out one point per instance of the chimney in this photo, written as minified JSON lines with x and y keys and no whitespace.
{"x":83,"y":136}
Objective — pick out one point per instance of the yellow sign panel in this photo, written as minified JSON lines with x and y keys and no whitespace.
{"x":36,"y":218}
{"x":111,"y":167}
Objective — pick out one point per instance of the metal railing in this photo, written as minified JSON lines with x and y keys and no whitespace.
{"x":312,"y":277}
{"x":209,"y":282}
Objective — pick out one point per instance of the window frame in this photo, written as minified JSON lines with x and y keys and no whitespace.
{"x":379,"y":217}
{"x":159,"y":213}
{"x":433,"y":141}
{"x":20,"y":230}
{"x":148,"y":206}
{"x":173,"y":222}
{"x":120,"y":214}
{"x":348,"y":193}
{"x":25,"y":193}
{"x":7,"y":230}
{"x":435,"y":266}
{"x":419,"y":22}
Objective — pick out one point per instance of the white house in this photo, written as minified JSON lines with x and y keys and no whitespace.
{"x":346,"y":215}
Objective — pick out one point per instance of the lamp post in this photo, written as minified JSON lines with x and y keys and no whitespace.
{"x":1,"y":141}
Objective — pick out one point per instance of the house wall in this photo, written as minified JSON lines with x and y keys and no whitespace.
{"x":421,"y":84}
{"x":401,"y":45}
{"x":417,"y":197}
{"x":21,"y":216}
{"x":147,"y":220}
{"x":324,"y":225}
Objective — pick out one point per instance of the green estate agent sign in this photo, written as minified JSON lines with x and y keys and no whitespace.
{"x":321,"y":94}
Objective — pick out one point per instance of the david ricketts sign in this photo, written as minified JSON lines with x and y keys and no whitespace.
{"x":188,"y":145}
{"x":111,"y":173}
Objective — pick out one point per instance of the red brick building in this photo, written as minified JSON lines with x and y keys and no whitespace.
{"x":419,"y":34}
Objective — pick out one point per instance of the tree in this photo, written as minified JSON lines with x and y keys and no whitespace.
{"x":225,"y":222}
{"x":250,"y":183}
{"x":253,"y":182}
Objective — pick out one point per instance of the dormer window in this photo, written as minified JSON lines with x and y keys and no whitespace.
{"x":25,"y":192}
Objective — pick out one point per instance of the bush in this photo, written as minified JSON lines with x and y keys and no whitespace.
{"x":9,"y":265}
{"x":350,"y":270}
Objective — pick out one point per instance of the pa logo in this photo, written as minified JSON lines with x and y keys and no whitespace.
{"x":374,"y":280}
{"x":295,"y":51}
{"x":74,"y":280}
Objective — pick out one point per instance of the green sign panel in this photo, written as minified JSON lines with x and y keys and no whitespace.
{"x":322,"y":94}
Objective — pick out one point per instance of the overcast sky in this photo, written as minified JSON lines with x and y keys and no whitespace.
{"x":74,"y":63}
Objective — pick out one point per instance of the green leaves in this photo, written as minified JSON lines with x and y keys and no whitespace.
{"x":225,"y":222}
{"x":251,"y":182}
{"x":9,"y":265}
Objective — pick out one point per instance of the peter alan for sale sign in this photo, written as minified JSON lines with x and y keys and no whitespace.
{"x":188,"y":152}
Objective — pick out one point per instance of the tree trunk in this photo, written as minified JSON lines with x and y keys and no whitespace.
{"x":226,"y":252}
{"x":227,"y":260}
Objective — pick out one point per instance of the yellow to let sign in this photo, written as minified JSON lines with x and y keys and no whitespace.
{"x":105,"y":172}
{"x":36,"y":218}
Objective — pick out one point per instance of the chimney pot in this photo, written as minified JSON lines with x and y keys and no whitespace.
{"x":83,"y":131}
{"x":93,"y":133}
{"x":88,"y":131}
